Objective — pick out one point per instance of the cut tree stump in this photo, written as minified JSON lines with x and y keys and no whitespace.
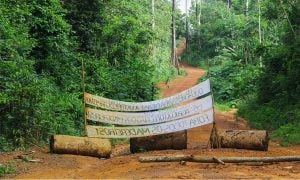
{"x":243,"y":139}
{"x":177,"y":140}
{"x":86,"y":146}
{"x":205,"y":159}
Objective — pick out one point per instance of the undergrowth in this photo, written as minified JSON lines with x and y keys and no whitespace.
{"x":7,"y":168}
{"x":222,"y":106}
{"x":282,"y":120}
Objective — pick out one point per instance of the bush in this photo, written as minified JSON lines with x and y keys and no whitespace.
{"x":231,"y":80}
{"x":287,"y":134}
{"x":7,"y":168}
{"x":282,"y":120}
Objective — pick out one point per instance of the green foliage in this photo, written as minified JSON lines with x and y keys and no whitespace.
{"x":182,"y":72}
{"x":5,"y":145}
{"x":7,"y":168}
{"x":230,"y":85}
{"x":222,"y":106}
{"x":42,"y":44}
{"x":283,"y":120}
{"x":262,"y":77}
{"x":288,"y":134}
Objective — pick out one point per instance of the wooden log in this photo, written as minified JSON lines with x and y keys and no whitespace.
{"x":243,"y":139}
{"x":247,"y":159}
{"x":86,"y":146}
{"x":205,"y":159}
{"x":177,"y":140}
{"x":170,"y":158}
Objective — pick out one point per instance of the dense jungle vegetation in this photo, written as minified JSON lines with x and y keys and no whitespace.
{"x":252,"y":48}
{"x":253,"y":52}
{"x":43,"y":44}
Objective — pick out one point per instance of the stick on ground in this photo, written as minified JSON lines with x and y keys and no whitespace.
{"x":207,"y":159}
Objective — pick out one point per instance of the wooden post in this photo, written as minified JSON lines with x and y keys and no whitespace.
{"x":214,"y":138}
{"x":83,"y":89}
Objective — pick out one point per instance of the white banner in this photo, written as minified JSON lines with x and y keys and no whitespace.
{"x":153,"y":117}
{"x":150,"y":130}
{"x":194,"y":92}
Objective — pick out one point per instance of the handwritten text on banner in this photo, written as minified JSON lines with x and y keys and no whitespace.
{"x":194,"y":92}
{"x":149,"y":130}
{"x":153,"y":117}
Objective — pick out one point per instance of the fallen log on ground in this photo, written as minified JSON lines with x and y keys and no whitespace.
{"x":243,"y":139}
{"x":177,"y":140}
{"x":205,"y":159}
{"x":86,"y":146}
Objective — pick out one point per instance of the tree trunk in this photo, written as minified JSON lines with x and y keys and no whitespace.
{"x":153,"y":13}
{"x":187,"y":32}
{"x":177,"y":140}
{"x":173,"y":50}
{"x":259,"y":31}
{"x":86,"y":146}
{"x":229,"y":4}
{"x":243,"y":139}
{"x":246,"y":49}
{"x":199,"y":24}
{"x":247,"y":9}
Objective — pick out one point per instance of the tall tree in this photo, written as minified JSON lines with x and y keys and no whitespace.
{"x":173,"y":51}
{"x":259,"y":30}
{"x":153,"y":13}
{"x":187,"y":30}
{"x":198,"y":21}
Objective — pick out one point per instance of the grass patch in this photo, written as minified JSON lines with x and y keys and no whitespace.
{"x":287,"y":134}
{"x":7,"y":168}
{"x":222,"y":106}
{"x":182,"y":72}
{"x":116,"y":141}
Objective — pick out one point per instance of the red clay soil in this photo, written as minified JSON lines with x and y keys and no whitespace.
{"x":126,"y":165}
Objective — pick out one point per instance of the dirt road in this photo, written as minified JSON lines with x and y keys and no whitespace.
{"x":125,"y":165}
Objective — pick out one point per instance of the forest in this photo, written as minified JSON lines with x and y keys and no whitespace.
{"x":251,"y":49}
